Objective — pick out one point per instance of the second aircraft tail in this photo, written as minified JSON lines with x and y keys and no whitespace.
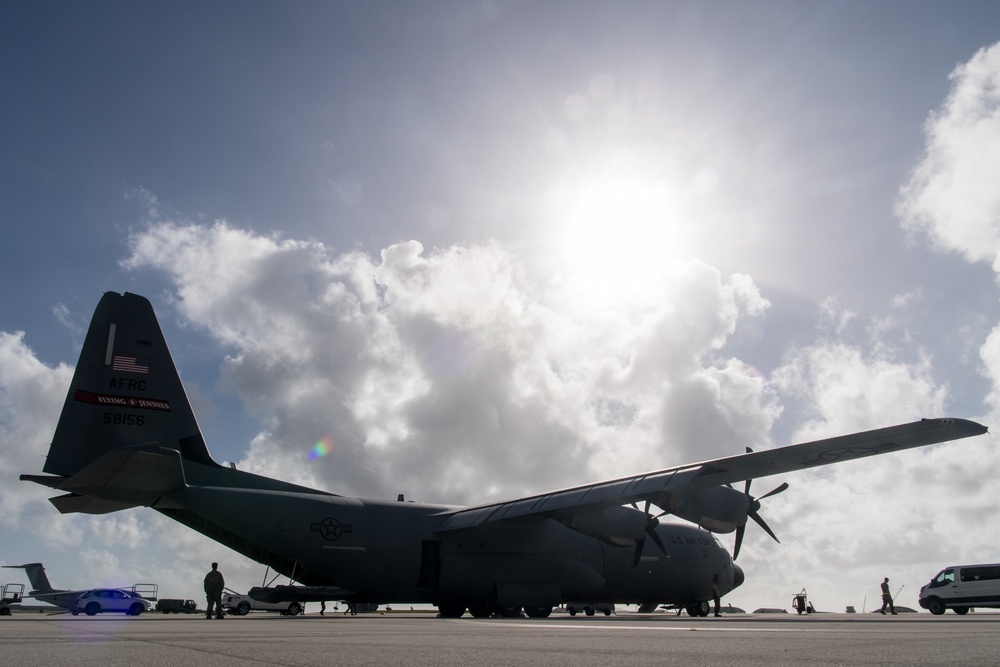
{"x":36,"y":577}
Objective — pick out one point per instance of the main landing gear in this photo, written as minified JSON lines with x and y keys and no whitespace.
{"x":698,"y":608}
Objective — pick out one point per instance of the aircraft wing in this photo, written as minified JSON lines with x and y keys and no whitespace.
{"x":658,"y":486}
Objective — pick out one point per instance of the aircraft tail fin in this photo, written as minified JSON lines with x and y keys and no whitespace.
{"x":36,"y":577}
{"x":126,"y":422}
{"x":126,"y":391}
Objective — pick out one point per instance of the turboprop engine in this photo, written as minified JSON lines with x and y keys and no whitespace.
{"x":723,"y":509}
{"x":617,"y":526}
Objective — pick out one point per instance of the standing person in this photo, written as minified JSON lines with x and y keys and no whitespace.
{"x":214,"y":583}
{"x":715,"y":594}
{"x":887,"y":597}
{"x":322,"y":607}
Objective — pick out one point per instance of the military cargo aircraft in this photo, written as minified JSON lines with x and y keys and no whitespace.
{"x":127,"y":437}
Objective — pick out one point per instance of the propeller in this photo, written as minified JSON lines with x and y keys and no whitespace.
{"x":753,"y":512}
{"x":651,"y":525}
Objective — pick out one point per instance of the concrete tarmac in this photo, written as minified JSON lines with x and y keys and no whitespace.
{"x":415,"y":639}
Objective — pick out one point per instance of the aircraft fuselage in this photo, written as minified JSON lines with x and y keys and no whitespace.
{"x":393,"y":552}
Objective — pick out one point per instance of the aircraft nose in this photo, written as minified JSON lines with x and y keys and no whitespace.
{"x":738,"y":576}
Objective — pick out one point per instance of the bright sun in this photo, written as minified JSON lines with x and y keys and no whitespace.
{"x":616,"y":230}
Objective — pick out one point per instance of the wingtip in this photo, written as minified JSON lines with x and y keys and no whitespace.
{"x":973,"y":427}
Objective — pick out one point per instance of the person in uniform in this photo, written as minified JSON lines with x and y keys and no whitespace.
{"x":715,"y":594}
{"x":214,"y":583}
{"x":887,"y":597}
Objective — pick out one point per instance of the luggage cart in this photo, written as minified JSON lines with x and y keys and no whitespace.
{"x":801,"y":604}
{"x":12,"y":594}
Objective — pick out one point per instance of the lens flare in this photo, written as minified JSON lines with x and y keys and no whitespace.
{"x":321,"y":448}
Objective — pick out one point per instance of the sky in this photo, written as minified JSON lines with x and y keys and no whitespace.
{"x":478,"y":250}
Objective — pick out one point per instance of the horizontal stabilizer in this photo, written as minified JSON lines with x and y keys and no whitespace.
{"x":118,"y":479}
{"x":51,"y":481}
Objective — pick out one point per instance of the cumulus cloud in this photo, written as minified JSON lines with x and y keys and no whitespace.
{"x":952,"y":194}
{"x":848,"y":391}
{"x":31,"y":396}
{"x":449,"y":375}
{"x":845,"y":527}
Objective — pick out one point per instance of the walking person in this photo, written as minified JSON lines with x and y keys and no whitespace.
{"x":214,"y":584}
{"x":715,"y":594}
{"x":887,"y":597}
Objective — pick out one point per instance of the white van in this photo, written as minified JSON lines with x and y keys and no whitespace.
{"x":962,"y":587}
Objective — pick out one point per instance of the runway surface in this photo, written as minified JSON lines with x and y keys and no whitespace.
{"x":422,"y":639}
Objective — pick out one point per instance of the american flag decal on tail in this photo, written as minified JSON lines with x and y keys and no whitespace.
{"x":130,"y":364}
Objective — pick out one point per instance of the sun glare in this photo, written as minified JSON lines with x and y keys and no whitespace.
{"x":615,"y":231}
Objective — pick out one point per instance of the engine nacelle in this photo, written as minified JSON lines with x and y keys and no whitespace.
{"x":617,"y":526}
{"x":720,"y":509}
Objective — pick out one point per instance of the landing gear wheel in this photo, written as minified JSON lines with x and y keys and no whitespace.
{"x":538,"y":612}
{"x":697,"y":609}
{"x":961,"y":611}
{"x":509,"y":612}
{"x":451,"y":610}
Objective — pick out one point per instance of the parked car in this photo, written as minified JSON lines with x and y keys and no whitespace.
{"x":100,"y":600}
{"x":241,"y":605}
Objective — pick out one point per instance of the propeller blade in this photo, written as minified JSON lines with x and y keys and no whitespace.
{"x":651,"y":524}
{"x":746,"y":487}
{"x":753,"y":510}
{"x":775,"y":491}
{"x":740,"y":531}
{"x":656,"y":538}
{"x":760,"y":522}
